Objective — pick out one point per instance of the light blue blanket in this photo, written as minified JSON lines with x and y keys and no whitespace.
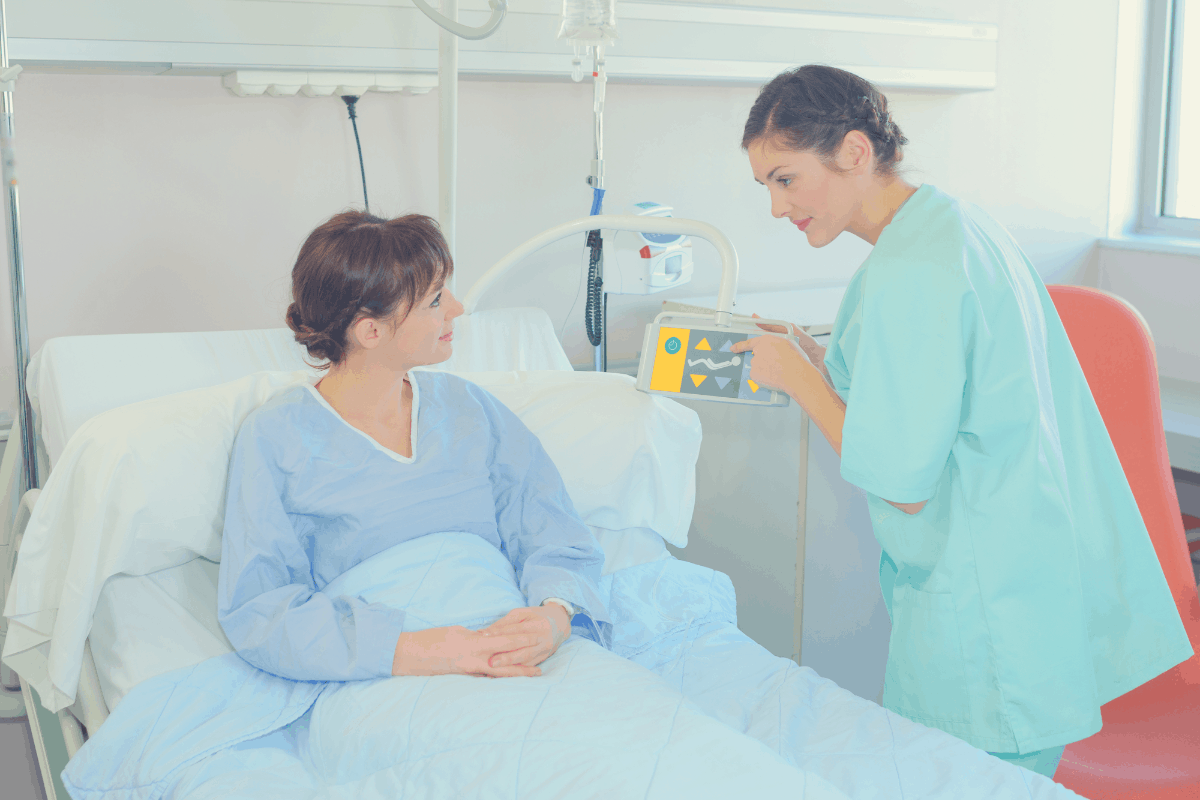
{"x":685,"y":706}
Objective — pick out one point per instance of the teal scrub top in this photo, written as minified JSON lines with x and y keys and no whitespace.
{"x":1026,"y":593}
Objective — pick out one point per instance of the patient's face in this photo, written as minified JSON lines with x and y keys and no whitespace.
{"x":425,"y":334}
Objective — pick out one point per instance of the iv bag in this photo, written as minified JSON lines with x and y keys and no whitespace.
{"x":589,"y":22}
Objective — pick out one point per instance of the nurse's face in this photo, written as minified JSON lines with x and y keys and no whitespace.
{"x":422,"y":336}
{"x":821,"y":202}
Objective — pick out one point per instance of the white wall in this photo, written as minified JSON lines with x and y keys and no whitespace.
{"x":1165,"y":288}
{"x":164,"y":203}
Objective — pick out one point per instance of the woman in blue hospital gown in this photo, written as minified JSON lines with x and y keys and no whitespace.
{"x":375,"y":454}
{"x":1022,"y":585}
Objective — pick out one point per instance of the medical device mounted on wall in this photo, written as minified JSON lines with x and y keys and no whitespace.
{"x":645,"y":262}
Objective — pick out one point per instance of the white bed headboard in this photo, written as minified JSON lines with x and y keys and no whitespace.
{"x":74,"y":378}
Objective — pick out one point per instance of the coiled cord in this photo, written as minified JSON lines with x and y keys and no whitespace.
{"x":593,"y":311}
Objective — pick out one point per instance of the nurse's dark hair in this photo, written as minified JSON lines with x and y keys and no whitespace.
{"x":358,"y":265}
{"x":813,"y":107}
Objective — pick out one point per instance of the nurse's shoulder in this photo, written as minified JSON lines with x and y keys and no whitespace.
{"x":925,"y":252}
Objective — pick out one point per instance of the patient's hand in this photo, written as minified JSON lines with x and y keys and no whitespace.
{"x":461,"y":651}
{"x":548,"y":624}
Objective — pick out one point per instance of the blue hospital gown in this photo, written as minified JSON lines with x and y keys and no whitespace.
{"x":1026,"y":592}
{"x":310,"y":497}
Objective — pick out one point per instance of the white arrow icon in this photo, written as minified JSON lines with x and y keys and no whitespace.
{"x":732,"y":362}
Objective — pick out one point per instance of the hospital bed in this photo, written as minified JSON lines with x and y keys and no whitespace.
{"x":835,"y":738}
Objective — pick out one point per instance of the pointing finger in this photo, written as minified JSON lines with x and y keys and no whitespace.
{"x":741,"y":347}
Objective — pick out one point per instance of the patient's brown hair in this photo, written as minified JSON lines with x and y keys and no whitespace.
{"x":358,"y":265}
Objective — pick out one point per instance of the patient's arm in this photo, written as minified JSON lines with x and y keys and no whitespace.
{"x":267,"y":602}
{"x":552,"y":551}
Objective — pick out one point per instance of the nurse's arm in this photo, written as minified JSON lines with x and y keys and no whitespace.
{"x":810,"y":388}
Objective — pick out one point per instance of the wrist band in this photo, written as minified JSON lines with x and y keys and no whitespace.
{"x":568,"y":607}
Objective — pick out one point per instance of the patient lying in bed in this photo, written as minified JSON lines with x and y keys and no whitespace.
{"x":375,"y":454}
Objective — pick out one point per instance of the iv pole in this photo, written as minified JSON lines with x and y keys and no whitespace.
{"x":12,"y":704}
{"x":12,"y":230}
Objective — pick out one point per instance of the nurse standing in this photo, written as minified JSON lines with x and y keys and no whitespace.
{"x":1022,"y":585}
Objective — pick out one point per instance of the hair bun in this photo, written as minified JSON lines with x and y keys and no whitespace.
{"x":319,"y":344}
{"x":813,"y":108}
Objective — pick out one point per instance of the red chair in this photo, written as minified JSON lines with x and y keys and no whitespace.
{"x":1149,"y":748}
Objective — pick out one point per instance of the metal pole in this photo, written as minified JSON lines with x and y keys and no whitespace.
{"x":12,"y":229}
{"x":600,"y":353}
{"x":448,"y":128}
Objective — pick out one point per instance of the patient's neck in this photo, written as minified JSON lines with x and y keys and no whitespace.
{"x":370,"y":397}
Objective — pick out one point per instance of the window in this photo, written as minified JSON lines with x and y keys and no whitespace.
{"x":1171,"y":191}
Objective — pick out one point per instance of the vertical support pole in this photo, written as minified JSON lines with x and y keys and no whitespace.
{"x":601,"y":354}
{"x":12,"y":229}
{"x":448,"y":128}
{"x":801,"y":532}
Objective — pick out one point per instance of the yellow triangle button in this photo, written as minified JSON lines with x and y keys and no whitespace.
{"x":698,"y":379}
{"x":753,"y":385}
{"x":704,"y":345}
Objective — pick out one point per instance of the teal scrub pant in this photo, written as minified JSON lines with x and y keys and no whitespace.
{"x":1043,"y":762}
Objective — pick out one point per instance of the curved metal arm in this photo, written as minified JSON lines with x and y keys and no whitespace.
{"x":623,"y":222}
{"x":499,"y":9}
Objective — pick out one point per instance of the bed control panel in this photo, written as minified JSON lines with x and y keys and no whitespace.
{"x":688,"y":355}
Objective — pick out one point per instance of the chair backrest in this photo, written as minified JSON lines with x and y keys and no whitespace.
{"x":1115,"y":350}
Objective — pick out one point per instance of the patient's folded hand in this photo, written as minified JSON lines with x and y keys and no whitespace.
{"x":548,"y":624}
{"x":462,"y":651}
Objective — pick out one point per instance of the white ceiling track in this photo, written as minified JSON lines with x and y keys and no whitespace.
{"x":684,"y":42}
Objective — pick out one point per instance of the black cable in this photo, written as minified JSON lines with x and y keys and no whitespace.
{"x":593,"y":312}
{"x":350,"y":101}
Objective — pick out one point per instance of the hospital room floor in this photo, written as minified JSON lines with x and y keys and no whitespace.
{"x":18,"y":765}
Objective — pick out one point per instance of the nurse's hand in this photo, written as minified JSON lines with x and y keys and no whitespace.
{"x":548,"y":624}
{"x":778,"y":364}
{"x":814,"y":351}
{"x":461,"y":651}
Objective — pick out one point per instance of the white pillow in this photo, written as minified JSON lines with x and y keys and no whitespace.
{"x":628,"y":458}
{"x":137,"y":489}
{"x":141,"y":488}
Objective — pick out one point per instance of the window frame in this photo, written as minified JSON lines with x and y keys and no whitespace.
{"x":1160,"y":136}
